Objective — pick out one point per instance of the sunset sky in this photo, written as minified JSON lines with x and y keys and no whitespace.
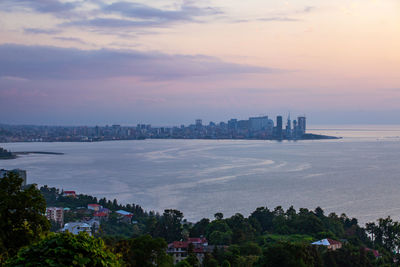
{"x":170,"y":62}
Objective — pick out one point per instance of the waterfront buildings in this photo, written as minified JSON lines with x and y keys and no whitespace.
{"x":259,"y":123}
{"x":301,"y":125}
{"x":261,"y":127}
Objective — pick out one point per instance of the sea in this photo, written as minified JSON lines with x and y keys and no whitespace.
{"x":358,"y":175}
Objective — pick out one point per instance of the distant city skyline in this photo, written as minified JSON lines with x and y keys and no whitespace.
{"x":72,"y":62}
{"x":258,"y":128}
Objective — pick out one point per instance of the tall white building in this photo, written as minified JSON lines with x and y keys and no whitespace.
{"x":55,"y":214}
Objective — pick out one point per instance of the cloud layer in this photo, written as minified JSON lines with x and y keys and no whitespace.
{"x":46,"y":62}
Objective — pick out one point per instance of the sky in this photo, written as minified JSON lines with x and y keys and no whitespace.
{"x":99,"y":62}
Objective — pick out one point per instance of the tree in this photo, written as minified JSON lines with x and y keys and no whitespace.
{"x":144,"y":251}
{"x":21,"y":215}
{"x":209,"y":261}
{"x":200,"y":228}
{"x":290,"y":255}
{"x":241,"y":228}
{"x":264,"y":217}
{"x":347,"y":256}
{"x":66,"y":249}
{"x":218,"y":216}
{"x":226,"y":263}
{"x":169,"y":227}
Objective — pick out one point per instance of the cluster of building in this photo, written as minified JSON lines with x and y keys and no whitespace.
{"x":333,"y":245}
{"x":93,"y":215}
{"x":179,"y":250}
{"x":253,"y":128}
{"x":261,"y":127}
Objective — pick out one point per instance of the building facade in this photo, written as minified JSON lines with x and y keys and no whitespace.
{"x":55,"y":214}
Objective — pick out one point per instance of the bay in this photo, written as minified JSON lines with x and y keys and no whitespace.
{"x":358,"y":175}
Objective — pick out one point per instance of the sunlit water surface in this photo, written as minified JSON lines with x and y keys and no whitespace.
{"x":358,"y":175}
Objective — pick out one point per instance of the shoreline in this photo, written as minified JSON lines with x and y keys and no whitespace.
{"x":37,"y":152}
{"x":308,"y":136}
{"x":15,"y":155}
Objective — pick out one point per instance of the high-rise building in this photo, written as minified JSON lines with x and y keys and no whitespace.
{"x":279,"y":126}
{"x":55,"y":214}
{"x":301,"y":125}
{"x":233,"y":124}
{"x":258,"y":123}
{"x":199,"y":124}
{"x":288,"y":128}
{"x":243,"y":124}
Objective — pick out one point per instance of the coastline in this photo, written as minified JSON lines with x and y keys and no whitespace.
{"x":307,"y":136}
{"x":15,"y":155}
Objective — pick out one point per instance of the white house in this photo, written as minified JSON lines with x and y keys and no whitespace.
{"x":77,"y":227}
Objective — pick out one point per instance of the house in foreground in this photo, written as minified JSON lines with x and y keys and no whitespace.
{"x":329,"y":243}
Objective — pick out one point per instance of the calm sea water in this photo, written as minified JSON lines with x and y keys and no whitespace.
{"x":358,"y":175}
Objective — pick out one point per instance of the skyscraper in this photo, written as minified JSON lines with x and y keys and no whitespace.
{"x":288,"y":128}
{"x":258,"y":123}
{"x":301,"y":125}
{"x":199,"y":124}
{"x":279,"y":127}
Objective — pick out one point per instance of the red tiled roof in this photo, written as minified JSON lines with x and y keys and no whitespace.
{"x":180,"y":244}
{"x":333,"y":242}
{"x":69,"y":192}
{"x":94,"y":205}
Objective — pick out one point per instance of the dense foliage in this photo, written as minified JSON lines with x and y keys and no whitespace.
{"x":66,"y":249}
{"x":21,"y":215}
{"x":266,"y":237}
{"x":143,"y":251}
